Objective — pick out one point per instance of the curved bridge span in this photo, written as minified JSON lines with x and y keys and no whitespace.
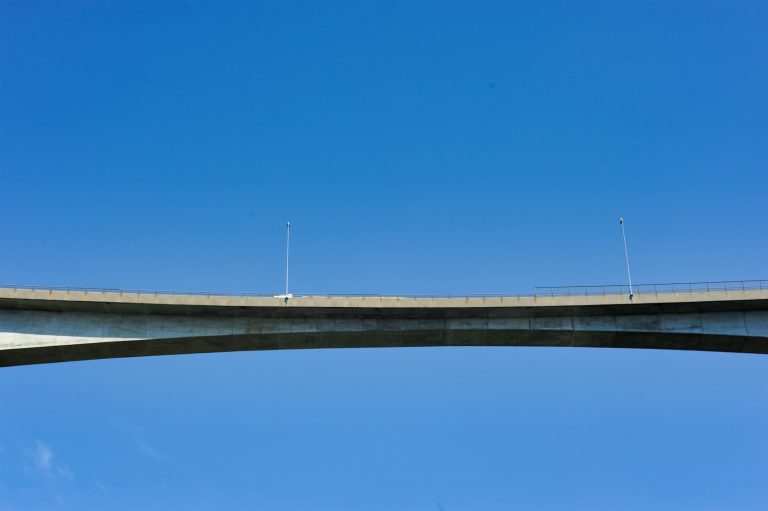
{"x":41,"y":326}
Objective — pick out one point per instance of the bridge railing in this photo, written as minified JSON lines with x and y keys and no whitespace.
{"x":94,"y":290}
{"x":614,"y":289}
{"x":673,"y":287}
{"x":102,"y":290}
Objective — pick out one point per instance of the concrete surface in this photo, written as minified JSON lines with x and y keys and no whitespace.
{"x":39,"y":326}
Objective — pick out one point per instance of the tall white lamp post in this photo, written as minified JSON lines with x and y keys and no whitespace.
{"x":626,"y":258}
{"x":287,"y":254}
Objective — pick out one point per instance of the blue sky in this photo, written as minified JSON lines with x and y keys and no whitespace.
{"x":417,"y":147}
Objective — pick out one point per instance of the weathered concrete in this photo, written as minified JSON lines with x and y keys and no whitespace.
{"x":54,"y":326}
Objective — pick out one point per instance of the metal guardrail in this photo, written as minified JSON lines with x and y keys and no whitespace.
{"x":637,"y":289}
{"x":613,"y":289}
{"x":68,"y":289}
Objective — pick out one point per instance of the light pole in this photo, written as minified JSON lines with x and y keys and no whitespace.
{"x":626,"y":257}
{"x":287,"y":253}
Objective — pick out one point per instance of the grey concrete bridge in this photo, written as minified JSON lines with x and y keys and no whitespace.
{"x":39,"y":326}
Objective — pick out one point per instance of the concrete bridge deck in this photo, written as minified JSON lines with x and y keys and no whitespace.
{"x":39,"y":326}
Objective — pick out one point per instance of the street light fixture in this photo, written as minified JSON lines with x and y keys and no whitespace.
{"x":626,"y":257}
{"x":287,"y":254}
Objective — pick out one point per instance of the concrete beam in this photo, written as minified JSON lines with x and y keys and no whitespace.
{"x":53,"y":326}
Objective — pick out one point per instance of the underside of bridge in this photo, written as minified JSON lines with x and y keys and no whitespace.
{"x":55,"y":326}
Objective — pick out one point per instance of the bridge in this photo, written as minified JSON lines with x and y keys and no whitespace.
{"x":41,"y":325}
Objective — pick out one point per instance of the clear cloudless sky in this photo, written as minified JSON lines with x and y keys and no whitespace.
{"x":417,"y":147}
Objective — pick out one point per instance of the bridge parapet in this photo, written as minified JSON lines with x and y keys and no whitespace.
{"x":544,"y":297}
